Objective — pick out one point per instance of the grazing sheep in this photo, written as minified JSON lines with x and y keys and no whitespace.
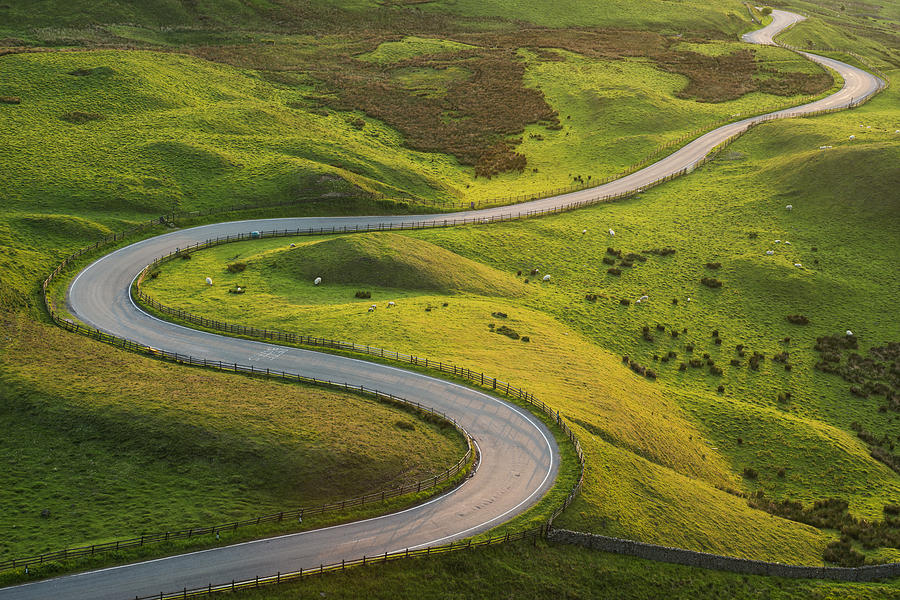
{"x":583,"y":231}
{"x":390,"y":304}
{"x":789,"y":207}
{"x":852,"y":137}
{"x":612,"y":233}
{"x":374,"y":306}
{"x":642,"y":299}
{"x":239,"y":289}
{"x":208,"y":281}
{"x":293,"y":245}
{"x":317,"y":281}
{"x":770,"y":252}
{"x":546,"y":278}
{"x":689,"y":298}
{"x":371,"y":309}
{"x":849,"y":332}
{"x":868,"y":127}
{"x":777,"y":241}
{"x":788,"y":243}
{"x":798,"y":265}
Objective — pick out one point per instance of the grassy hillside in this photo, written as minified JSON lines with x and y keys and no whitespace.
{"x":678,"y":439}
{"x":178,"y":447}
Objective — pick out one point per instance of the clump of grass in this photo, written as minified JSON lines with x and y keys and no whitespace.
{"x":507,"y":331}
{"x":713,"y":265}
{"x":364,"y":294}
{"x":711,"y":282}
{"x":237,"y":267}
{"x":798,"y":319}
{"x":10,"y":100}
{"x":614,"y":271}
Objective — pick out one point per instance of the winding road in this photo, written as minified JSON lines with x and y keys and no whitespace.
{"x":519,"y":457}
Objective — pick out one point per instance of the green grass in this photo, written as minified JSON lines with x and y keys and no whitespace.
{"x":675,"y":440}
{"x":519,"y":570}
{"x":97,"y":453}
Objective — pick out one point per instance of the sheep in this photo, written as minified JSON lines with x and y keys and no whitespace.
{"x":643,"y":298}
{"x":612,"y":233}
{"x":391,"y":303}
{"x":293,"y":245}
{"x":546,"y":278}
{"x":208,"y":281}
{"x":789,"y":207}
{"x":788,"y":243}
{"x":770,"y":252}
{"x":317,"y":281}
{"x":239,"y":289}
{"x":374,"y":306}
{"x":852,"y":137}
{"x":777,"y":241}
{"x":798,"y":265}
{"x":849,"y":333}
{"x":868,"y":127}
{"x":371,"y":308}
{"x":689,"y":298}
{"x":583,"y":231}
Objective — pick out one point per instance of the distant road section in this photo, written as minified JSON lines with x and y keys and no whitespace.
{"x":519,"y":460}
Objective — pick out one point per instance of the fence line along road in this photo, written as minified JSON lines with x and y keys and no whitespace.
{"x":519,"y":457}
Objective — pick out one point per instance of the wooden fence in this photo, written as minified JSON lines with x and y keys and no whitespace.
{"x":257,"y":582}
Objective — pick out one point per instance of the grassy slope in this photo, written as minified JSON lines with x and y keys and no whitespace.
{"x":97,"y":453}
{"x":706,"y":218}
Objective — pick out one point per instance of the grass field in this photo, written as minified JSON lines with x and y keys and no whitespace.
{"x":96,"y":453}
{"x":678,"y":438}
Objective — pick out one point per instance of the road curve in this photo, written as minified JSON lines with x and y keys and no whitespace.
{"x":519,"y":456}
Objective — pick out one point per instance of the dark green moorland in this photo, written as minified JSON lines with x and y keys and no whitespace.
{"x":117,"y":112}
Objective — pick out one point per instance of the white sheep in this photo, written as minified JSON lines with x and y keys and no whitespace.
{"x":317,"y":281}
{"x":390,"y":304}
{"x":788,"y":243}
{"x":789,"y":207}
{"x":371,"y":308}
{"x":852,"y":137}
{"x":583,"y":231}
{"x":612,"y":233}
{"x":868,"y":127}
{"x":546,"y":278}
{"x":689,"y":298}
{"x":293,"y":245}
{"x":208,"y":281}
{"x":777,"y":241}
{"x":239,"y":289}
{"x":643,"y":298}
{"x":374,"y":306}
{"x":770,"y":252}
{"x":798,"y":265}
{"x":897,"y":131}
{"x":849,"y":333}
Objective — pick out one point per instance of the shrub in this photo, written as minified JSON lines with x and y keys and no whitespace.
{"x":711,"y":282}
{"x":499,"y":315}
{"x":841,"y":553}
{"x":798,"y":319}
{"x":608,"y":261}
{"x":614,"y":252}
{"x":624,"y":301}
{"x":752,"y":235}
{"x":363,"y":294}
{"x":696,"y":363}
{"x":525,"y":338}
{"x":507,"y":331}
{"x":240,"y":267}
{"x":682,"y":367}
{"x":154,"y":274}
{"x":651,"y":374}
{"x":735,"y":362}
{"x":626,"y":263}
{"x":631,"y":256}
{"x":718,"y":341}
{"x":714,"y":370}
{"x":358,"y":123}
{"x":674,"y":300}
{"x":405,"y":425}
{"x":714,"y":265}
{"x":237,"y":290}
{"x":750,"y":473}
{"x":10,"y":100}
{"x":721,"y":389}
{"x":614,"y":271}
{"x":79,"y":117}
{"x":674,"y":334}
{"x":689,"y":347}
{"x":660,"y":251}
{"x":781,"y":472}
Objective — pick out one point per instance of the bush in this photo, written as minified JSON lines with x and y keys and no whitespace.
{"x":405,"y":425}
{"x":714,"y":370}
{"x":735,"y":362}
{"x":525,"y":338}
{"x":721,"y":390}
{"x":750,"y":473}
{"x":608,"y":261}
{"x":696,"y":363}
{"x":507,"y":331}
{"x":682,"y":367}
{"x":798,"y":319}
{"x":241,"y":267}
{"x":624,"y":301}
{"x":79,"y":117}
{"x":10,"y":100}
{"x":614,"y":271}
{"x":714,"y":265}
{"x":363,"y":294}
{"x":499,"y":315}
{"x":711,"y":282}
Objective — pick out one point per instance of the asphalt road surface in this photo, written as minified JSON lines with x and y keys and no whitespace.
{"x":519,"y":458}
